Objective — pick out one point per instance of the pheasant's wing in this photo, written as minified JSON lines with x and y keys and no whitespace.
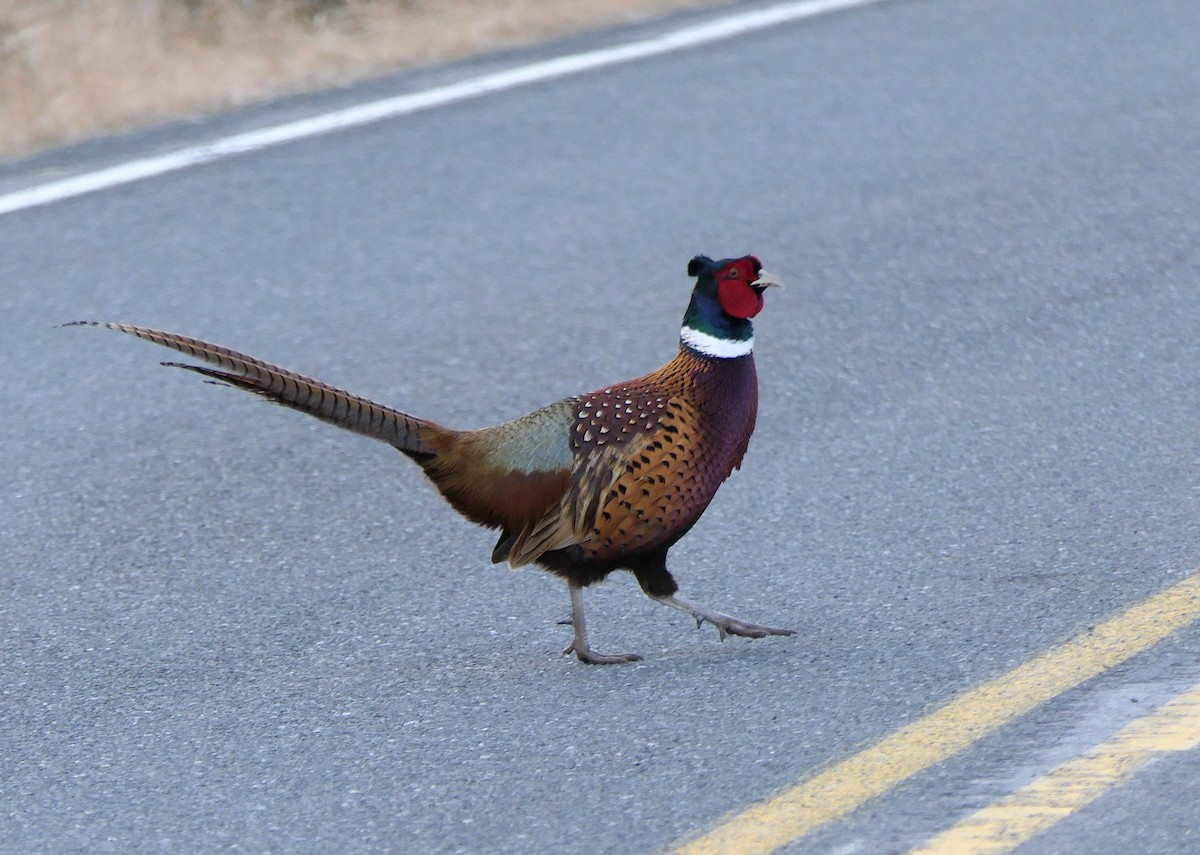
{"x":610,"y":432}
{"x":573,"y":519}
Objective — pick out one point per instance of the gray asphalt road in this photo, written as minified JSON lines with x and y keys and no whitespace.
{"x":223,"y":625}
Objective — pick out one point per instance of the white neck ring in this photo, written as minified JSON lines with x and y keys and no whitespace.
{"x":710,"y":345}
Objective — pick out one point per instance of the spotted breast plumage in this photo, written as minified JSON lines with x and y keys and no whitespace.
{"x":604,"y":481}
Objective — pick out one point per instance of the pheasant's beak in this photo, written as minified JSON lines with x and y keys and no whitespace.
{"x":766,"y":280}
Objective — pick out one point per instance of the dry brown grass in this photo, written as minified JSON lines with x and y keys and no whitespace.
{"x":70,"y":69}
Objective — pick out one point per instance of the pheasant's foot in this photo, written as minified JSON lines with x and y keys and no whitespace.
{"x":725,"y":624}
{"x":590,"y":657}
{"x":579,"y":643}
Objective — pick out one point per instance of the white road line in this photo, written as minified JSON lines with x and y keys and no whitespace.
{"x":720,"y":29}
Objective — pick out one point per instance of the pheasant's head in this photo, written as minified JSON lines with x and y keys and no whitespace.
{"x":727,"y":295}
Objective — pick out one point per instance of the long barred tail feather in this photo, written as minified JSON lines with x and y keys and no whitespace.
{"x":414,"y":436}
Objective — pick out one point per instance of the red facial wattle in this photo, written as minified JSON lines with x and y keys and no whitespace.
{"x":738,"y":298}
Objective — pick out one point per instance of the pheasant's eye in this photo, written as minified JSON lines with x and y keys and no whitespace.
{"x":733,"y":273}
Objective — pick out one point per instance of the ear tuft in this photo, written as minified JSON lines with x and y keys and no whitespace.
{"x":699,"y":265}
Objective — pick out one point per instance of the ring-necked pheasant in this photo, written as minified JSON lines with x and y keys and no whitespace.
{"x":600,"y":482}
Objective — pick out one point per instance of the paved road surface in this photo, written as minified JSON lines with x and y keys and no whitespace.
{"x":223,"y":625}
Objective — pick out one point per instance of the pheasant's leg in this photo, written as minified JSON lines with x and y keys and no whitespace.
{"x":725,"y":624}
{"x":579,"y":644}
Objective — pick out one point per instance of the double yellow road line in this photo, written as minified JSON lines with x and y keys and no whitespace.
{"x":1005,"y":825}
{"x":954,"y":727}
